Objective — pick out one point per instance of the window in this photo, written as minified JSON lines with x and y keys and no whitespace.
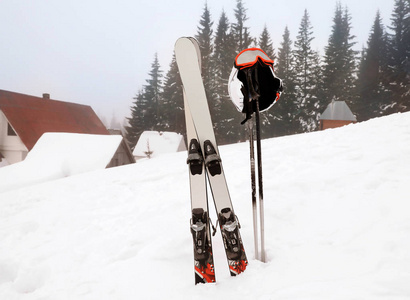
{"x":10,"y":130}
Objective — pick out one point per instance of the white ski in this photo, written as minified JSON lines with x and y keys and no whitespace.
{"x":196,"y":106}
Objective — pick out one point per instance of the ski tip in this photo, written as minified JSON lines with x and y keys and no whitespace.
{"x":182,"y":40}
{"x":193,"y":40}
{"x":186,"y":40}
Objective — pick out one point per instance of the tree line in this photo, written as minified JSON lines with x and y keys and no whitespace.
{"x":373,"y":83}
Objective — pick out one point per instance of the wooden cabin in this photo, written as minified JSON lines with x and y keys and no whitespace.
{"x":337,"y":114}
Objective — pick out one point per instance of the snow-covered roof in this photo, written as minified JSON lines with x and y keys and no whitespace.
{"x":84,"y":151}
{"x":338,"y":110}
{"x":158,"y":143}
{"x":57,"y":155}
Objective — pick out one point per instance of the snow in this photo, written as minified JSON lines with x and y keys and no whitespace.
{"x":3,"y":162}
{"x":57,"y":155}
{"x":158,"y":143}
{"x":337,"y":217}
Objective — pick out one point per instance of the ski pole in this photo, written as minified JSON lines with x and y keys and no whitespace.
{"x":253,"y":184}
{"x":260,"y":181}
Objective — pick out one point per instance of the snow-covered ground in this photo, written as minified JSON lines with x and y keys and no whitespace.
{"x":337,"y":217}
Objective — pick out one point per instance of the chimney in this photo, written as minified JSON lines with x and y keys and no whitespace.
{"x":46,"y":96}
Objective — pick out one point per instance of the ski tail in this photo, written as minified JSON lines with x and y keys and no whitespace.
{"x":203,"y":256}
{"x":235,"y":252}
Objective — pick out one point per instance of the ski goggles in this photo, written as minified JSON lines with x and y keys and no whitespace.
{"x":248,"y":57}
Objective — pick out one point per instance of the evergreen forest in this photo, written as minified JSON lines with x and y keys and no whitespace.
{"x":373,"y":82}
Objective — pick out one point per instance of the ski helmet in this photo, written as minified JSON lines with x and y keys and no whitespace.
{"x":252,"y":78}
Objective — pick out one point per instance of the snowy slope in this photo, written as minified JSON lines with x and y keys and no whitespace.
{"x":337,"y":217}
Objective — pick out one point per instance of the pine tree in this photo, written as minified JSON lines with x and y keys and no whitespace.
{"x":307,"y":77}
{"x":136,"y":123}
{"x":146,"y":111}
{"x":204,"y":37}
{"x":286,"y":111}
{"x":241,"y":34}
{"x":224,"y":114}
{"x":114,"y":123}
{"x":265,"y":43}
{"x":224,"y":50}
{"x":173,"y":104}
{"x":399,"y":56}
{"x":372,"y":86}
{"x":317,"y":86}
{"x":340,"y":59}
{"x":152,"y":95}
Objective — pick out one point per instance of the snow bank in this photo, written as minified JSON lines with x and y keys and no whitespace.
{"x":57,"y":155}
{"x":336,"y":216}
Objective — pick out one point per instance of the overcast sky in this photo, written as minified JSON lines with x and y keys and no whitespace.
{"x":99,"y":52}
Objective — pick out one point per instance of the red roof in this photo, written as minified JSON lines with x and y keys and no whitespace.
{"x":32,"y":116}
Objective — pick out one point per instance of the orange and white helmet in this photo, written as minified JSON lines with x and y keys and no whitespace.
{"x":252,"y":78}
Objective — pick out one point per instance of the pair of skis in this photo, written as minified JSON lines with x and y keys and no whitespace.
{"x":205,"y":164}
